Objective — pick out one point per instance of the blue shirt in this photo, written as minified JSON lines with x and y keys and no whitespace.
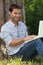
{"x":10,"y":31}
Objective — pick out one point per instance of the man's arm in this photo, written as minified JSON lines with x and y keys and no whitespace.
{"x":16,"y":42}
{"x":20,"y":41}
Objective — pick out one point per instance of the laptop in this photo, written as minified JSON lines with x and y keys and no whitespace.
{"x":40,"y":32}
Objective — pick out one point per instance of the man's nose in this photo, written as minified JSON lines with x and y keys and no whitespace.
{"x":18,"y":15}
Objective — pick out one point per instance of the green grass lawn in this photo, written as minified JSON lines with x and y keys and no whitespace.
{"x":17,"y":61}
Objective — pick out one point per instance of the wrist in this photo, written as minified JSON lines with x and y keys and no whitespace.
{"x":24,"y":39}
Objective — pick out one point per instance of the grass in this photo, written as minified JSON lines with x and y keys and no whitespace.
{"x":17,"y":61}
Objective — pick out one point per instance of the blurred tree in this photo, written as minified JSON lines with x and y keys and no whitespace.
{"x":34,"y":13}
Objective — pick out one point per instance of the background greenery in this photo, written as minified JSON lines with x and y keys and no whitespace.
{"x":34,"y":13}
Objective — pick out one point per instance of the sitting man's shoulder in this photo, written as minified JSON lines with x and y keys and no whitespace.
{"x":22,"y":24}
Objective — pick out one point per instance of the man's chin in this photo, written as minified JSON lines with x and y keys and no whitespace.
{"x":16,"y":20}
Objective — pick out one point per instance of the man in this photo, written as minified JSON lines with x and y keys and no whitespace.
{"x":14,"y":33}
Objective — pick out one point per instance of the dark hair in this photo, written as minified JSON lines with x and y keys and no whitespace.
{"x":13,"y":6}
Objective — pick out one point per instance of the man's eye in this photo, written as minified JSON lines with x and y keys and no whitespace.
{"x":19,"y":13}
{"x":15,"y":13}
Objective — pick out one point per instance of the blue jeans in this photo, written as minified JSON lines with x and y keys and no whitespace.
{"x":29,"y":50}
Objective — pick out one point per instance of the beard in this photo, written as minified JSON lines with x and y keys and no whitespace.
{"x":16,"y":19}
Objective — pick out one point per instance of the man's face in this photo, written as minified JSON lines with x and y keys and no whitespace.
{"x":15,"y":14}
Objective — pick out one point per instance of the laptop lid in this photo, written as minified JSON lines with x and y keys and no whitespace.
{"x":40,"y":32}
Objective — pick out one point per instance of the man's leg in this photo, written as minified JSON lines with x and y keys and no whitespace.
{"x":39,"y":47}
{"x":27,"y":50}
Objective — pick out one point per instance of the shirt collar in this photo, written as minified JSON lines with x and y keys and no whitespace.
{"x":13,"y":23}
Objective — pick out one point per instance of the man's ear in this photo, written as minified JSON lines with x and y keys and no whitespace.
{"x":9,"y":13}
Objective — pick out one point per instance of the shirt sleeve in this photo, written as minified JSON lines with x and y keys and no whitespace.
{"x":6,"y":37}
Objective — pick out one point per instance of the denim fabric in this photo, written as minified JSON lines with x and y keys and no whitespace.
{"x":31,"y":49}
{"x":39,"y":47}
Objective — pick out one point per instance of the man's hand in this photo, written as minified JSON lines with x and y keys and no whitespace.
{"x":29,"y":37}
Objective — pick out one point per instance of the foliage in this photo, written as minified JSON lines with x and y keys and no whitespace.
{"x":34,"y":13}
